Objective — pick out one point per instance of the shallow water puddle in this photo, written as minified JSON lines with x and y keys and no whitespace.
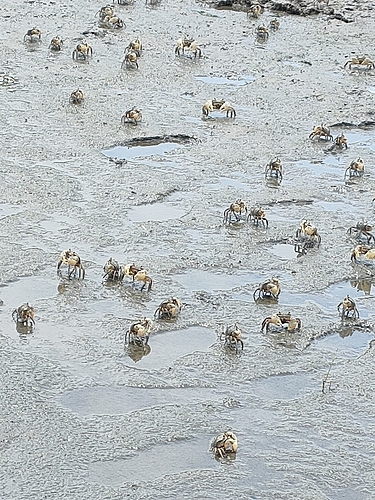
{"x":348,"y":342}
{"x":165,"y":348}
{"x":238,"y":181}
{"x":360,"y":138}
{"x":283,"y":386}
{"x":30,"y":289}
{"x":155,"y":211}
{"x":284,"y":251}
{"x":127,"y":153}
{"x":209,"y":281}
{"x":7,"y":209}
{"x":119,"y":400}
{"x":330,"y":165}
{"x":221,"y":80}
{"x":160,"y":460}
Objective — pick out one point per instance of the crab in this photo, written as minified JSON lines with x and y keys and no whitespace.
{"x":56,"y":44}
{"x":307,"y":229}
{"x":168,"y":309}
{"x":71,"y":259}
{"x":274,"y":169}
{"x":232,"y":337}
{"x":341,"y":141}
{"x":135,"y":46}
{"x":131,"y":116}
{"x":360,"y":62}
{"x":33,"y":35}
{"x":7,"y":80}
{"x":139,"y":332}
{"x":112,"y":271}
{"x":24,"y":314}
{"x":82,"y":51}
{"x":279,"y":320}
{"x":106,"y":11}
{"x":219,"y":105}
{"x":76,"y":97}
{"x":355,"y":169}
{"x":274,"y":24}
{"x":321,"y":3}
{"x":322,"y":133}
{"x":262,"y":33}
{"x":270,"y":289}
{"x":130,"y":59}
{"x":235,"y":210}
{"x":225,"y":445}
{"x":190,"y":44}
{"x":258,"y":217}
{"x":138,"y":274}
{"x":362,"y":229}
{"x":348,"y":307}
{"x":365,"y":251}
{"x":112,"y":22}
{"x":255,"y":10}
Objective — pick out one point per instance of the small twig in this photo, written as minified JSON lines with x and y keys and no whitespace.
{"x":325,"y":379}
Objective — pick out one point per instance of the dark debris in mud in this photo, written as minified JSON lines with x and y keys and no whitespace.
{"x":159,"y":139}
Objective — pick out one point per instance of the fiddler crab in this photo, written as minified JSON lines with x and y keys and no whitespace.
{"x":360,"y":62}
{"x":225,"y":445}
{"x":322,"y":133}
{"x":255,"y":10}
{"x":219,"y":105}
{"x":83,"y":51}
{"x":309,"y":230}
{"x":131,"y":116}
{"x":279,"y":320}
{"x":348,"y":308}
{"x":341,"y":141}
{"x":112,"y":271}
{"x":135,"y":46}
{"x":72,"y":260}
{"x":168,"y":309}
{"x":76,"y":97}
{"x":24,"y":314}
{"x":235,"y":210}
{"x":190,"y":44}
{"x":138,"y":274}
{"x":362,"y":229}
{"x":7,"y":80}
{"x":56,"y":44}
{"x":33,"y":35}
{"x":270,"y":289}
{"x":232,"y":337}
{"x":365,"y":251}
{"x":262,"y":33}
{"x":139,"y":332}
{"x":274,"y":169}
{"x":106,"y":11}
{"x":112,"y":22}
{"x":274,"y":24}
{"x":130,"y":60}
{"x":258,"y":217}
{"x":355,"y":169}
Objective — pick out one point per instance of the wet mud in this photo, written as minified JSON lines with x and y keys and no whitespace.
{"x":83,"y":414}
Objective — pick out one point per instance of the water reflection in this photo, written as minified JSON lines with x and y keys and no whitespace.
{"x":362,"y":285}
{"x":137,"y":352}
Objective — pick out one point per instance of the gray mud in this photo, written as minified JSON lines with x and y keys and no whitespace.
{"x":85,"y":418}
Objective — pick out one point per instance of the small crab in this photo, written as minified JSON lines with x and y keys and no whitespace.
{"x":348,"y":307}
{"x":235,"y":210}
{"x":321,"y":3}
{"x":232,"y":337}
{"x":190,"y":44}
{"x":262,"y":33}
{"x":360,"y":62}
{"x":71,"y":259}
{"x":131,"y":60}
{"x":258,"y":217}
{"x":274,"y":24}
{"x":24,"y":314}
{"x":33,"y":35}
{"x":355,"y":169}
{"x":341,"y":141}
{"x":225,"y":445}
{"x":82,"y":51}
{"x":56,"y":44}
{"x":255,"y":10}
{"x":112,"y":22}
{"x":138,"y":274}
{"x":106,"y":11}
{"x":362,"y":229}
{"x":131,"y":116}
{"x":112,"y":271}
{"x":218,"y":105}
{"x":307,"y":229}
{"x":135,"y":46}
{"x":365,"y":251}
{"x":321,"y":132}
{"x":7,"y":80}
{"x":168,"y":309}
{"x":76,"y":97}
{"x":139,"y":332}
{"x":270,"y":289}
{"x":274,"y":169}
{"x":279,"y":320}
